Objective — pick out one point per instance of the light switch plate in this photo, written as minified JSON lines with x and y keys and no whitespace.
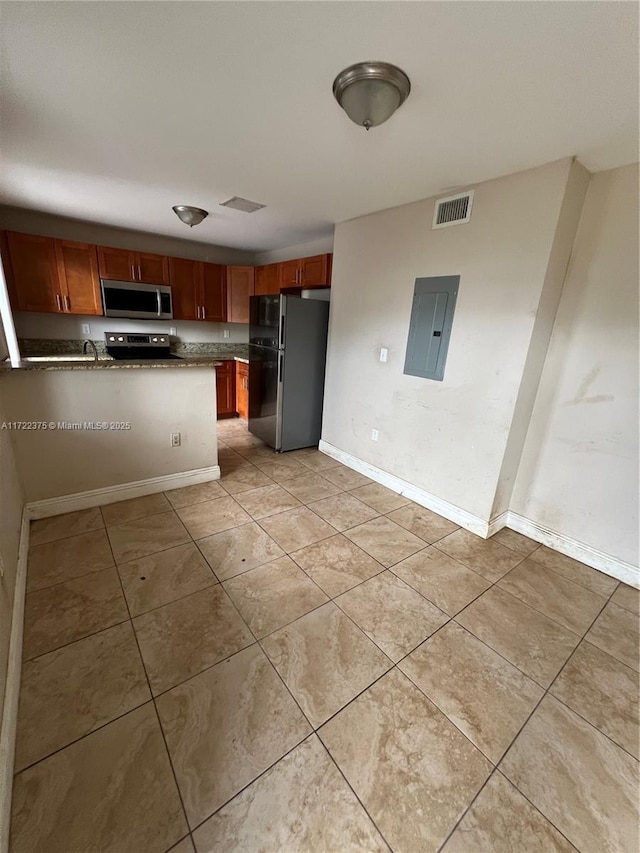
{"x":173,"y":331}
{"x":225,"y":333}
{"x":384,"y":354}
{"x":374,"y":435}
{"x":86,"y":329}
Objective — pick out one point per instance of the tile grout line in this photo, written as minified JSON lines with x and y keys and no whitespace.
{"x":521,"y":729}
{"x":144,"y":668}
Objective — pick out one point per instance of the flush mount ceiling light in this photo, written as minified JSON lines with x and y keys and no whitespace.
{"x":370,"y":92}
{"x":189,"y":215}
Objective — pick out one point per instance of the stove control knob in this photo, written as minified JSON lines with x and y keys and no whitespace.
{"x":155,"y":340}
{"x":112,"y":337}
{"x":161,"y":340}
{"x":120,"y":338}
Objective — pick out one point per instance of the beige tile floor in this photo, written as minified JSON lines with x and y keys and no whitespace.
{"x":297,"y":659}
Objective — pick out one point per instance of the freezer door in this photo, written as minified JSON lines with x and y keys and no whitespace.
{"x":264,"y":321}
{"x":302,"y":376}
{"x":264,"y":368}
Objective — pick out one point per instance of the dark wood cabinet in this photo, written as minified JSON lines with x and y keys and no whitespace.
{"x":185,"y":279}
{"x":33,"y":278}
{"x":116,"y":264}
{"x":214,"y":293}
{"x":226,"y":389}
{"x":242,"y":389}
{"x":127,"y":265}
{"x":267,"y":280}
{"x":240,"y":286}
{"x":53,"y":276}
{"x":314,"y":271}
{"x":63,"y":277}
{"x":79,"y":278}
{"x":152,"y":269}
{"x":198,"y":290}
{"x":289,"y":274}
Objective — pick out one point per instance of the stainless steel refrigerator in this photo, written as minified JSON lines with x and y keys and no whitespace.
{"x":287,"y":354}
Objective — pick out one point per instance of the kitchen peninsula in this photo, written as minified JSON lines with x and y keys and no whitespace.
{"x":88,"y":466}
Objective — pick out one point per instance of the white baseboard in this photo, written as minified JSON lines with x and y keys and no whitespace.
{"x":625,"y":572}
{"x":124,"y":491}
{"x":612,"y":566}
{"x":12,"y":687}
{"x":420,"y":496}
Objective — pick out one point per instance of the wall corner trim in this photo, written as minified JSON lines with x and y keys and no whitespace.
{"x":12,"y":687}
{"x":124,"y":491}
{"x":448,"y":510}
{"x":605,"y":563}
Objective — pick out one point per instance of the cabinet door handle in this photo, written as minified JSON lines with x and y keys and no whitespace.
{"x":204,"y":313}
{"x":197,"y":312}
{"x":67,"y":299}
{"x":133,"y":272}
{"x":139,"y":273}
{"x":58,"y":302}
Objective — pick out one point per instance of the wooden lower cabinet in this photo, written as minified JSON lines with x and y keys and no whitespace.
{"x":242,"y":389}
{"x":226,"y":389}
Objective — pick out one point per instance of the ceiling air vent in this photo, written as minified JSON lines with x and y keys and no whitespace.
{"x":243,"y":204}
{"x":453,"y":210}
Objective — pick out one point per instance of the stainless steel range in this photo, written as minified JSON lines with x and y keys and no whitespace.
{"x":122,"y":345}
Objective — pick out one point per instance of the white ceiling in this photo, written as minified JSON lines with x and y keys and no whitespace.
{"x":113,"y":112}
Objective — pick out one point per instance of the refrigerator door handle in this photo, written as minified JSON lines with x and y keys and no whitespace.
{"x":280,"y":360}
{"x":281,"y":345}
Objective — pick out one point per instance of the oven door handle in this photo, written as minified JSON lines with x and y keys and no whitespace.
{"x":159,"y":301}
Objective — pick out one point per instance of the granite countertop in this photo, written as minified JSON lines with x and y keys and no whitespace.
{"x":108,"y":363}
{"x":67,"y":355}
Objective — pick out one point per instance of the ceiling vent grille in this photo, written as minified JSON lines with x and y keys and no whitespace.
{"x":243,"y":204}
{"x":453,"y":210}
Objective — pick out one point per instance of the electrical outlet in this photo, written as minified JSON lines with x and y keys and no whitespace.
{"x":86,"y":329}
{"x":175,"y":439}
{"x":173,"y":331}
{"x":374,"y":435}
{"x":225,"y":333}
{"x":384,"y":354}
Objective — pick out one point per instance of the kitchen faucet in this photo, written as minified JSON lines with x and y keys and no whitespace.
{"x":93,"y":346}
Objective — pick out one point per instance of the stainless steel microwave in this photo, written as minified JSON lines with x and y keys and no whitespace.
{"x":136,"y":301}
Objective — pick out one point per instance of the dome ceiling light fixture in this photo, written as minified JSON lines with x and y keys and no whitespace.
{"x":370,"y":92}
{"x":190,"y":215}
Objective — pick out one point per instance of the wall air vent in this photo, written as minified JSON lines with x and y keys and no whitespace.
{"x":453,"y":210}
{"x":243,"y":204}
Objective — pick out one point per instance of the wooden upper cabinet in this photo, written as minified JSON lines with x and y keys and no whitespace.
{"x":53,"y":276}
{"x":152,"y":269}
{"x":314,"y":271}
{"x":240,"y":286}
{"x":289,"y":274}
{"x":34,"y":281}
{"x":214,"y":293}
{"x":185,"y":278}
{"x":266,"y":280}
{"x":116,"y":264}
{"x":79,"y":278}
{"x":126,"y":265}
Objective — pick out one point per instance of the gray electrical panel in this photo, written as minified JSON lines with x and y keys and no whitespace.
{"x":434,"y":301}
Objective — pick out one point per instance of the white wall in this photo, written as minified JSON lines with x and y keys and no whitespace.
{"x":579,"y":470}
{"x":565,"y":234}
{"x":157,"y":402}
{"x":448,"y":438}
{"x":68,"y":326}
{"x":300,"y":250}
